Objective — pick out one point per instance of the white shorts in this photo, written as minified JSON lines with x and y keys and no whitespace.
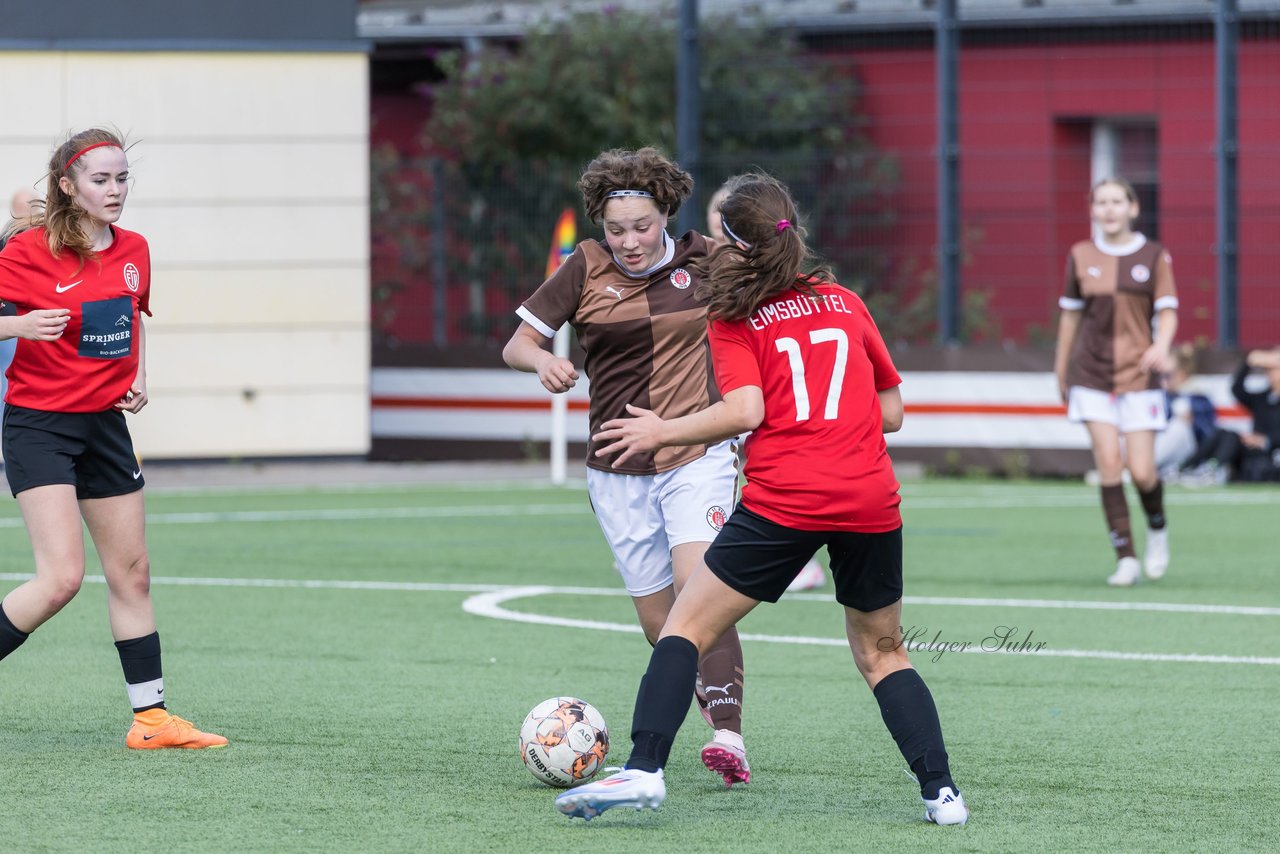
{"x":643,"y":517}
{"x":1130,"y":412}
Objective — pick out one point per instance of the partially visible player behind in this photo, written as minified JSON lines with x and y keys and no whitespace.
{"x":800,"y":364}
{"x":1108,"y":366}
{"x":80,"y":284}
{"x":812,"y":576}
{"x":631,"y":300}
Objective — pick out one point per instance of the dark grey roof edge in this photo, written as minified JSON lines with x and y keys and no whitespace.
{"x":161,"y":45}
{"x":862,"y":22}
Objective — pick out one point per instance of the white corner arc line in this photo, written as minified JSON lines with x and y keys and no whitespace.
{"x":490,"y":604}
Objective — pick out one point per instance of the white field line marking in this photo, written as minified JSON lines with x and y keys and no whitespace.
{"x":366,"y":487}
{"x":355,"y":513}
{"x":490,"y":605}
{"x":1034,"y":499}
{"x":542,"y":590}
{"x":496,"y":511}
{"x":294,"y":583}
{"x":491,"y":596}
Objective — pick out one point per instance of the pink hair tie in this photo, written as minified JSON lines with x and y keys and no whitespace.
{"x":783,"y":225}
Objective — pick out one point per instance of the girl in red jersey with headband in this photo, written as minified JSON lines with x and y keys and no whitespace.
{"x":801,"y":365}
{"x":80,"y":284}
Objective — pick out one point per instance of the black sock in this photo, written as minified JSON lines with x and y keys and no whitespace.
{"x":908,"y":711}
{"x":11,"y":637}
{"x":662,"y":702}
{"x":140,"y":658}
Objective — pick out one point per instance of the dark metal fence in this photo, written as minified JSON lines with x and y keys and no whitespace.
{"x":1042,"y":112}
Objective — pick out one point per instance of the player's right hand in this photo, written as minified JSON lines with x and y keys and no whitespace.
{"x":44,"y":324}
{"x":558,"y":375}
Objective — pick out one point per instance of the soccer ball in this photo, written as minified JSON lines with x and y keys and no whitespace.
{"x":564,"y":741}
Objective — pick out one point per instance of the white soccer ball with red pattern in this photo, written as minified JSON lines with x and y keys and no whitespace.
{"x":564,"y":741}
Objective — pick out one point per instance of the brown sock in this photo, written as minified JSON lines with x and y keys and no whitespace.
{"x":1116,"y":509}
{"x":1153,"y":505}
{"x":721,"y":671}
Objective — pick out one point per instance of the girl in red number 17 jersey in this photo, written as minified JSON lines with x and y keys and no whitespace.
{"x":801,"y":365}
{"x":80,"y":285}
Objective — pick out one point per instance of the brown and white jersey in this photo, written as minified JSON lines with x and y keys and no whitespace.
{"x":1118,"y":291}
{"x":645,"y":339}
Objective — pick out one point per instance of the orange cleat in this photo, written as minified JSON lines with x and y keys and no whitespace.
{"x":156,"y":728}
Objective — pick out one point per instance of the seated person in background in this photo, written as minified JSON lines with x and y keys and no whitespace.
{"x":1254,"y":456}
{"x":1192,"y":418}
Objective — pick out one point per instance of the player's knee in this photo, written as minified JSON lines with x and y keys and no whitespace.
{"x":62,"y":590}
{"x":690,"y":632}
{"x":1144,"y":477}
{"x":135,"y":579}
{"x":876,"y":661}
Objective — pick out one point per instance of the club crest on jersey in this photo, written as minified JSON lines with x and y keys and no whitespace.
{"x":680,"y":278}
{"x":716,"y":517}
{"x":131,"y":277}
{"x":1141,"y":273}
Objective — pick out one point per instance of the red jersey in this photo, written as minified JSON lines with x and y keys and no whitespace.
{"x":818,"y":460}
{"x":95,"y":361}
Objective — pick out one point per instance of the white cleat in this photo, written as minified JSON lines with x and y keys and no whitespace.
{"x":810,"y":578}
{"x":947,"y":808}
{"x":1127,"y":573}
{"x":627,"y":788}
{"x":1156,"y":560}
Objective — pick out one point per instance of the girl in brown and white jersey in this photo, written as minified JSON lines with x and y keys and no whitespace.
{"x":1119,"y":316}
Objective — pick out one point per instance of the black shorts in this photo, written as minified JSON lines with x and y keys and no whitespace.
{"x":91,"y":451}
{"x":759,"y":558}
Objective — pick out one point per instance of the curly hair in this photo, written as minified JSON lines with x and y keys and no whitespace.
{"x":646,"y":169}
{"x":760,"y":213}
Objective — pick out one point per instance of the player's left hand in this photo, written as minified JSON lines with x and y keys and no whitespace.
{"x":1154,"y":358}
{"x":134,"y":399}
{"x":630,"y":436}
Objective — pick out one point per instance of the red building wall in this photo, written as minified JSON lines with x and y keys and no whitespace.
{"x":1024,"y":170}
{"x":1025,"y":123}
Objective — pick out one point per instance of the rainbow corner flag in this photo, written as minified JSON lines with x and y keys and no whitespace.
{"x":562,"y":241}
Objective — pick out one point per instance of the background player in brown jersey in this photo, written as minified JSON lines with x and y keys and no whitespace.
{"x":1107,"y":363}
{"x":631,"y":300}
{"x":81,"y":285}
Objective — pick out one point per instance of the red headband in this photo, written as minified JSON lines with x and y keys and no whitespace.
{"x":76,"y":156}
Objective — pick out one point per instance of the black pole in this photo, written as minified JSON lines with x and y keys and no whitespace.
{"x":438,"y":272}
{"x":688,"y":104}
{"x":947,"y":39}
{"x":1226,"y":26}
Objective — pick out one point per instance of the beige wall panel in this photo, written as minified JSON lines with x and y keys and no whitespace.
{"x":219,"y":173}
{"x":188,"y":364}
{"x":302,"y":235}
{"x":33,"y":105}
{"x":213,"y":96}
{"x":22,"y":165}
{"x":272,"y":424}
{"x":185,"y":299}
{"x":252,"y":189}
